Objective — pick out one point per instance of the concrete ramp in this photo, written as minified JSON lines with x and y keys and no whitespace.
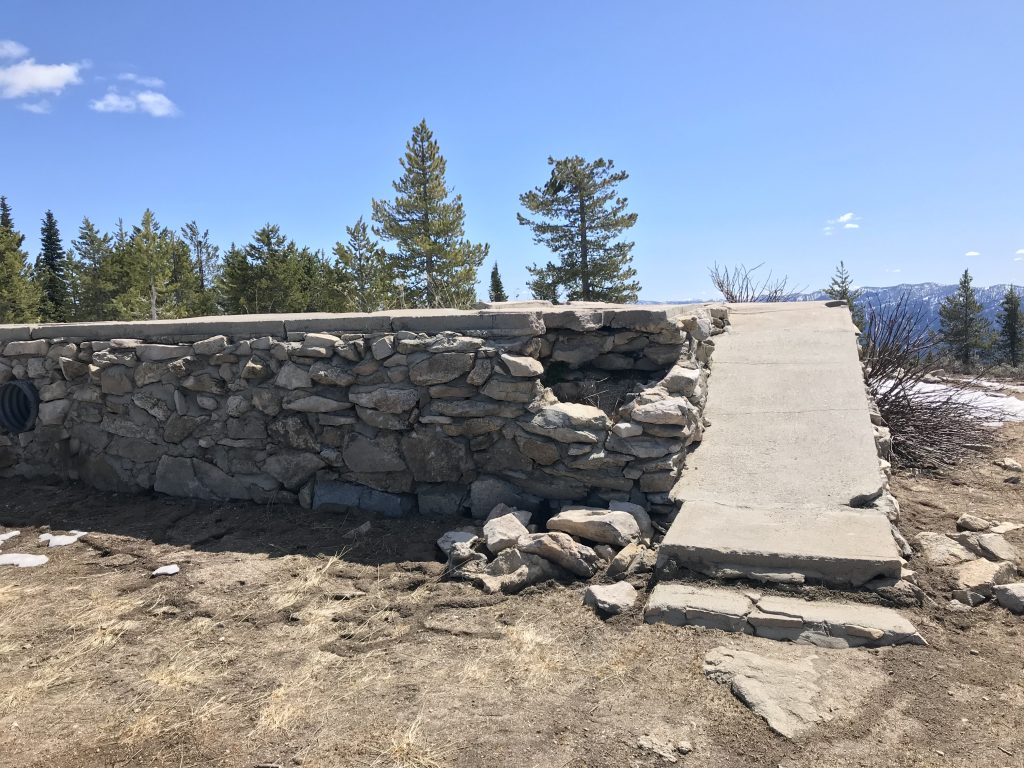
{"x":779,"y":487}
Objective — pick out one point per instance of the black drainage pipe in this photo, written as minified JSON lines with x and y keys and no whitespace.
{"x":19,"y":406}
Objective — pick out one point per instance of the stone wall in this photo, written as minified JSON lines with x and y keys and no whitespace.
{"x":392,"y":412}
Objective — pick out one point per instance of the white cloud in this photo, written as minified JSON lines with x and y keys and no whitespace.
{"x":145,"y":82}
{"x":1018,"y":258}
{"x":1019,"y":252}
{"x":972,"y":253}
{"x":150,"y":102}
{"x":843,"y":221}
{"x":41,"y":107}
{"x":26,"y":78}
{"x":156,"y":104}
{"x":113,"y":102}
{"x":896,"y":269}
{"x":12,"y":50}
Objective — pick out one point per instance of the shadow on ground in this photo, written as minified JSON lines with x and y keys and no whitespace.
{"x":245,"y":527}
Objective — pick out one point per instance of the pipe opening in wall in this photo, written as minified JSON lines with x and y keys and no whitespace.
{"x":19,"y":406}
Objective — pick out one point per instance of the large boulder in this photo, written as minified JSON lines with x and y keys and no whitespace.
{"x":604,"y":526}
{"x":433,"y":457}
{"x":569,"y":423}
{"x":513,"y":570}
{"x":610,"y":599}
{"x":561,"y":549}
{"x":441,"y":368}
{"x":370,"y":455}
{"x":386,"y":399}
{"x":503,"y":532}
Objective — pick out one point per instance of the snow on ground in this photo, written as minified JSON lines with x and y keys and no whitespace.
{"x":23,"y":561}
{"x":997,"y":408}
{"x":9,"y":535}
{"x":62,"y":540}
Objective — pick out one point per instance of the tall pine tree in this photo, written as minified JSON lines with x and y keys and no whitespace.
{"x":365,"y":274}
{"x":49,"y":273}
{"x":962,"y":328}
{"x":19,"y":297}
{"x":580,"y":217}
{"x":206,"y":265}
{"x":497,"y":291}
{"x":269,"y":274}
{"x":1011,"y":328}
{"x":427,"y":225}
{"x":841,"y":289}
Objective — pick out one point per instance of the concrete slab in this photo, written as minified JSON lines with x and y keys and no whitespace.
{"x":686,"y":605}
{"x":826,"y":624}
{"x":774,"y":490}
{"x":839,"y":546}
{"x":789,"y":413}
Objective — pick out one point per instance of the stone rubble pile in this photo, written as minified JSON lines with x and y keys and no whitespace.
{"x":390,"y":419}
{"x":979,"y":562}
{"x":509,"y":553}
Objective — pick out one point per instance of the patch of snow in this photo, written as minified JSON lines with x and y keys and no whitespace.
{"x":23,"y":561}
{"x":167,"y":570}
{"x":9,"y":535}
{"x":62,"y":540}
{"x":997,"y":408}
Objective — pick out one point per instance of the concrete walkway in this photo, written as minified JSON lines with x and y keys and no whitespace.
{"x":778,"y":488}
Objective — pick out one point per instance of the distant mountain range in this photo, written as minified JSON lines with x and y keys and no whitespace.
{"x":929,"y":295}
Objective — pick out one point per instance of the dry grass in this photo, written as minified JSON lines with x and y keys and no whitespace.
{"x":346,"y":660}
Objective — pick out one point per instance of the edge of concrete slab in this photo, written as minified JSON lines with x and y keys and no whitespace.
{"x":844,"y":547}
{"x":825,"y":624}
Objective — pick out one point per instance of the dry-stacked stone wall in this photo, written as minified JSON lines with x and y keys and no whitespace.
{"x":392,"y":412}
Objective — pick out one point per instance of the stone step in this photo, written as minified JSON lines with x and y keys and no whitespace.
{"x":843,"y":546}
{"x":823,"y":623}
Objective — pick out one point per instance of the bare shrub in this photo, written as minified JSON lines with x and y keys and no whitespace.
{"x":933,"y":424}
{"x":739,"y":284}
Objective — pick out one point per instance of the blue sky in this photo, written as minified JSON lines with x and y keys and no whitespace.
{"x":752,"y":131}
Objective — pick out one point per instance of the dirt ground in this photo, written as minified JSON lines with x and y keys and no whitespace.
{"x":283,"y":641}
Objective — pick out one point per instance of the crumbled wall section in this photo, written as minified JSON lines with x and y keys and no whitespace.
{"x":391,"y":412}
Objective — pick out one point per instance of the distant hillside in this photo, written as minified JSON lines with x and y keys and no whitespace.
{"x":930,"y":295}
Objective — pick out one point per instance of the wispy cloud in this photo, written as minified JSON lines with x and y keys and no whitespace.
{"x":41,"y":107}
{"x":972,"y":253}
{"x":893,"y":269}
{"x":12,"y":50}
{"x":145,"y":82}
{"x":26,"y":78}
{"x":156,"y":104}
{"x":149,"y":102}
{"x":844,"y":221}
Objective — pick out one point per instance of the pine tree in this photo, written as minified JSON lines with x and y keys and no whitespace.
{"x":497,"y":291}
{"x":140,"y":271}
{"x":19,"y":297}
{"x":580,"y":216}
{"x":49,"y":273}
{"x":206,"y":263}
{"x":962,"y":329}
{"x":6,"y":222}
{"x":365,"y":274}
{"x":543,"y":283}
{"x":1011,"y":328}
{"x":438,"y":265}
{"x":269,"y":274}
{"x":841,"y":289}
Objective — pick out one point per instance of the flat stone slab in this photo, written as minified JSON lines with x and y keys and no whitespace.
{"x":822,"y":623}
{"x":840,"y":546}
{"x":791,"y":689}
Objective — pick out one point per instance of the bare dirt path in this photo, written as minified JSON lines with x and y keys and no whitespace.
{"x":284,"y":642}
